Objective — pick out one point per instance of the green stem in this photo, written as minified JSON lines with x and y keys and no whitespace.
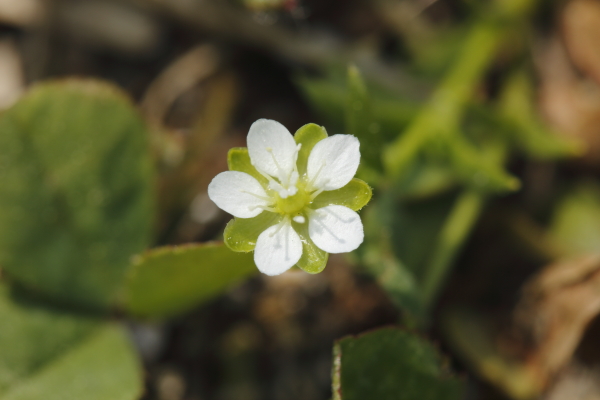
{"x":459,"y":224}
{"x":445,"y":110}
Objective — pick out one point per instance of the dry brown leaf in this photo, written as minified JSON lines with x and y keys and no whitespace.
{"x":22,"y":12}
{"x":181,"y":75}
{"x":555,"y":309}
{"x":570,"y":103}
{"x":533,"y":354}
{"x":581,"y":32}
{"x":12,"y":81}
{"x":114,"y":26}
{"x":577,"y":382}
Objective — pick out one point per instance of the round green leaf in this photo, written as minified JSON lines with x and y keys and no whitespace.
{"x":77,"y":196}
{"x":103,"y":366}
{"x":391,"y":364}
{"x":33,"y":336}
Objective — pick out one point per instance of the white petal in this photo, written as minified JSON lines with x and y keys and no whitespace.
{"x":277,"y":249}
{"x":335,"y":229}
{"x":238,"y":194}
{"x":333,"y":162}
{"x":272,"y":148}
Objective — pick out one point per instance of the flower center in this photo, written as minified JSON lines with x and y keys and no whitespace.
{"x":293,"y":204}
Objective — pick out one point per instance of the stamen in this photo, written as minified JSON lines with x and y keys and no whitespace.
{"x":279,"y":226}
{"x":296,"y":154}
{"x":258,"y":196}
{"x":266,"y":208}
{"x":315,"y":194}
{"x":312,"y":181}
{"x":276,"y":186}
{"x":273,"y":184}
{"x":279,"y":169}
{"x":294,"y":177}
{"x":292,"y":190}
{"x":299,"y":219}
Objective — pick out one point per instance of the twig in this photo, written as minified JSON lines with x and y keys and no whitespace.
{"x":310,"y":48}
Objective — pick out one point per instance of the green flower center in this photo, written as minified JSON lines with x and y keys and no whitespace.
{"x":293,"y":204}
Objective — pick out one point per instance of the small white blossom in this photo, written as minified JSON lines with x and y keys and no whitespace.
{"x":331,"y":165}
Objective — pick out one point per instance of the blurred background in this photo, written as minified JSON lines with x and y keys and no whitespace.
{"x":480,"y":133}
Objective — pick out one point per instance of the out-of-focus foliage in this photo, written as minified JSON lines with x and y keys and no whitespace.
{"x":100,"y":367}
{"x":445,"y":98}
{"x":332,"y":95}
{"x":525,"y":130}
{"x":391,"y":364}
{"x":168,"y":281}
{"x":76,"y":200}
{"x":48,"y":334}
{"x":51,"y":354}
{"x":576,"y":221}
{"x":473,"y":336}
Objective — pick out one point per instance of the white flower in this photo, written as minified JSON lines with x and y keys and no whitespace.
{"x":290,"y":194}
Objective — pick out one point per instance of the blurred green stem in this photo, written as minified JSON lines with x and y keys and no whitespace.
{"x":465,"y":213}
{"x":458,"y":226}
{"x":444,"y":111}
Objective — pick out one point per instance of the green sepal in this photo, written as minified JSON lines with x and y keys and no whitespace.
{"x":313,"y":259}
{"x":241,"y":233}
{"x":308,"y":135}
{"x":355,"y":195}
{"x":238,"y":159}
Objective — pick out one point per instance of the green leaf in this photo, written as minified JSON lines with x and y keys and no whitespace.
{"x":77,"y":196}
{"x":313,"y":259}
{"x":425,"y":179}
{"x":33,"y":336}
{"x":576,"y":222}
{"x":377,"y":255}
{"x":241,"y":233}
{"x":104,"y":366}
{"x":328,"y":97}
{"x":476,"y":168}
{"x":474,"y":338}
{"x":391,"y":364}
{"x":360,"y":121}
{"x":171,"y":280}
{"x":239,"y":160}
{"x":452,"y":237}
{"x":415,"y":226}
{"x":524,"y":128}
{"x":355,"y":195}
{"x":396,"y":279}
{"x":308,"y":135}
